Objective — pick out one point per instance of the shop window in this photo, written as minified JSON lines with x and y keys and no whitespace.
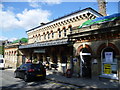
{"x":109,"y":63}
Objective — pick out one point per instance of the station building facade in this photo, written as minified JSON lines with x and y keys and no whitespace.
{"x":49,"y":42}
{"x":89,"y":51}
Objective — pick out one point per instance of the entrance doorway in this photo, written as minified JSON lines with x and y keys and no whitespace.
{"x":85,"y":63}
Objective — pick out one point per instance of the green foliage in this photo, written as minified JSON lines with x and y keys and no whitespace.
{"x":1,"y":50}
{"x":22,"y":40}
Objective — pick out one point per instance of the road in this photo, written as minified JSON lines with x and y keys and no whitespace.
{"x":7,"y":81}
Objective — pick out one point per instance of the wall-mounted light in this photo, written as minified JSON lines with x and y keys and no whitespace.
{"x":95,"y":61}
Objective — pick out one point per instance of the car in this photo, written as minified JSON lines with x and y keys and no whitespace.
{"x":2,"y":63}
{"x":30,"y":71}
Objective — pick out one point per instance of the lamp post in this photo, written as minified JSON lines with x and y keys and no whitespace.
{"x":118,"y":59}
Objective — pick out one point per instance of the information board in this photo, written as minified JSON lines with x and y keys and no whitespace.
{"x":109,"y":56}
{"x":107,"y":68}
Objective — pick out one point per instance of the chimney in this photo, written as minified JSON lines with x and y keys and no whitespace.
{"x":102,"y":7}
{"x":42,"y":23}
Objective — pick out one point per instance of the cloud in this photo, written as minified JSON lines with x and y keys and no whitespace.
{"x":2,"y":38}
{"x":37,"y":3}
{"x":7,"y":20}
{"x":1,"y":6}
{"x":31,"y":18}
{"x":25,"y":20}
{"x":52,"y":1}
{"x":34,"y":4}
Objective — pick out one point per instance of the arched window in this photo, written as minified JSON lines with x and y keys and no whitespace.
{"x":44,"y":36}
{"x":52,"y":33}
{"x":48,"y":35}
{"x":65,"y":34}
{"x":59,"y":31}
{"x":39,"y":36}
{"x":70,"y":28}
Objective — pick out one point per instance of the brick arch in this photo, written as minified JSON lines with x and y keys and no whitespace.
{"x":64,"y":28}
{"x":81,"y":47}
{"x":102,"y":46}
{"x":69,"y":26}
{"x":58,"y":29}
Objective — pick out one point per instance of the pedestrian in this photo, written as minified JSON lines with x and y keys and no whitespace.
{"x":47,"y":65}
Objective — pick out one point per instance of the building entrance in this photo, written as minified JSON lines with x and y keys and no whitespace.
{"x":85,"y":63}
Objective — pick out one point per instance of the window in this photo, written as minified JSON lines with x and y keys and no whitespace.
{"x":59,"y":33}
{"x":1,"y":60}
{"x":44,"y":36}
{"x":65,"y":32}
{"x":39,"y":37}
{"x":52,"y":35}
{"x":70,"y":28}
{"x":48,"y":35}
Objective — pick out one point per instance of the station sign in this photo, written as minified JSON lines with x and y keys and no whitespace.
{"x":39,"y":50}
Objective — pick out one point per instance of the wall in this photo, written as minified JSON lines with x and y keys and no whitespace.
{"x":95,"y":45}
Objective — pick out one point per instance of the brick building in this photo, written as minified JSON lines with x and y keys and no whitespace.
{"x":49,"y":42}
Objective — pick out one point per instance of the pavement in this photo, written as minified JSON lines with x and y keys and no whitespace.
{"x":82,"y":82}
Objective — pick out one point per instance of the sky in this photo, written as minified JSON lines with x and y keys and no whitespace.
{"x":18,"y":17}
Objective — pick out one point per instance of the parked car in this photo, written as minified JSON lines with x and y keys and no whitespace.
{"x":30,"y":71}
{"x":2,"y":63}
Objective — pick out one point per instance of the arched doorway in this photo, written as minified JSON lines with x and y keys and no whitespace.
{"x":85,"y":63}
{"x":109,"y":63}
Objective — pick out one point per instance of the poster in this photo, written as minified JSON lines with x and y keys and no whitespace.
{"x":107,"y":68}
{"x":109,"y":56}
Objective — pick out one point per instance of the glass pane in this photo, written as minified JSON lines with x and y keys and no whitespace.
{"x":1,"y":60}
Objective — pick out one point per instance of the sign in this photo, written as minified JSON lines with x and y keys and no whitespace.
{"x":74,"y":59}
{"x":63,"y":64}
{"x":107,"y":68}
{"x":109,"y":56}
{"x":39,"y":51}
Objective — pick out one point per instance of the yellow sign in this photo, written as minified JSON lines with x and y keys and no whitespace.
{"x":107,"y":68}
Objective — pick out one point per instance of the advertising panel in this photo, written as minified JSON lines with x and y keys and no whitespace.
{"x":107,"y":68}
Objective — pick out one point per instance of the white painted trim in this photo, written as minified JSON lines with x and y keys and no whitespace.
{"x":85,"y":53}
